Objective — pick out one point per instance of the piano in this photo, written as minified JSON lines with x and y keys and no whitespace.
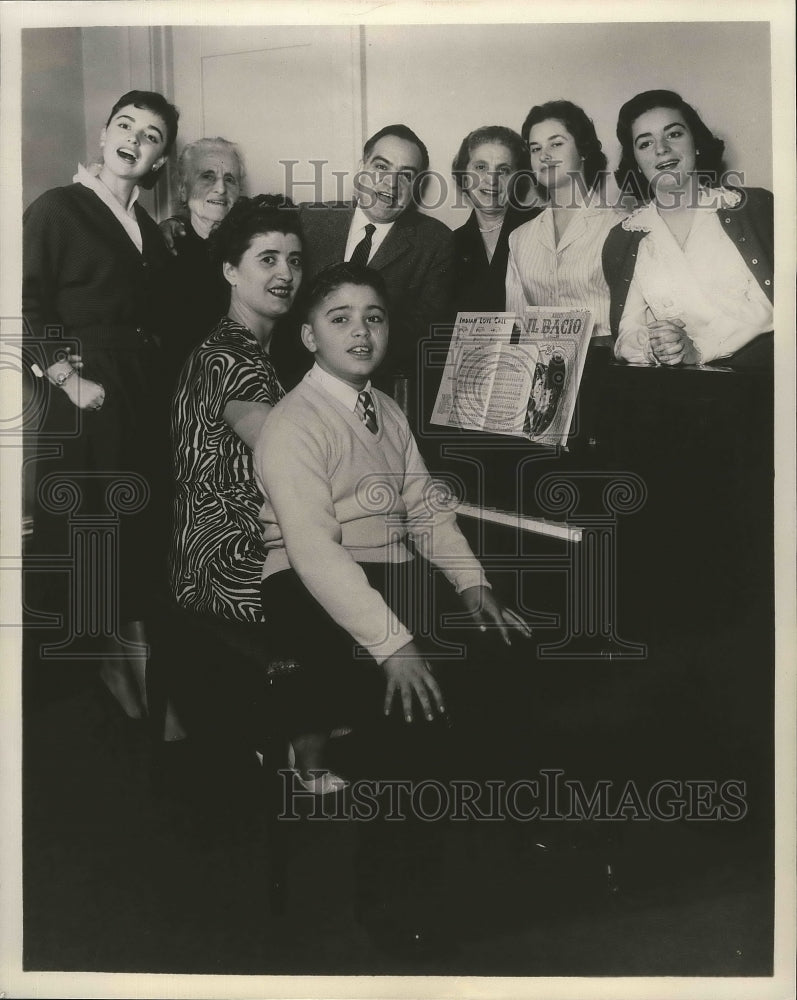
{"x":642,"y":554}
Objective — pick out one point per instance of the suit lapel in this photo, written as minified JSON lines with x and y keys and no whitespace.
{"x":400,"y":240}
{"x":339,"y":225}
{"x":326,"y":229}
{"x":501,"y":253}
{"x":474,"y":244}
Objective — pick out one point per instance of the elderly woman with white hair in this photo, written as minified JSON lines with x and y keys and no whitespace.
{"x":210,"y":181}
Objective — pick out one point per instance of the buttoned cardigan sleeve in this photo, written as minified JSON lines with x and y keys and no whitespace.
{"x":44,"y":244}
{"x":751,"y":227}
{"x":633,"y":341}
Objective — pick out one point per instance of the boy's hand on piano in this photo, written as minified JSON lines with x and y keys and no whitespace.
{"x":483,"y":606}
{"x":408,"y":673}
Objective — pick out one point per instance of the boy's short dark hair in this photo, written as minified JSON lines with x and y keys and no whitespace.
{"x":334,"y":277}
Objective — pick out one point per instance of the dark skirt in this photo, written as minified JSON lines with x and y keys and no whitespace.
{"x":101,"y":479}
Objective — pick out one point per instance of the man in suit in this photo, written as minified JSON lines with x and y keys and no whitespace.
{"x":384,"y":230}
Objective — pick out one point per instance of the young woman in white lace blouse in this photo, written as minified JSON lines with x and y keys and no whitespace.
{"x":691,"y":270}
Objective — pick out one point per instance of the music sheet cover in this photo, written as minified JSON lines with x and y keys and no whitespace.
{"x":515,"y":375}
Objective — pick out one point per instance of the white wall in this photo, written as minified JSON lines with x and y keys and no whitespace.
{"x":281,"y":93}
{"x":442,"y":80}
{"x":115,"y":60}
{"x":445,"y":80}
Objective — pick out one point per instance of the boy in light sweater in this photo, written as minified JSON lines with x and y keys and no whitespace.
{"x":345,"y":491}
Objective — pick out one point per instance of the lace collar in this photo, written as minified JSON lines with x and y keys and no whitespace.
{"x":644,"y":219}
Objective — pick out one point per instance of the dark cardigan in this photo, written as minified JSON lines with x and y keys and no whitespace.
{"x":199,"y":295}
{"x":87,"y":287}
{"x":82,"y":273}
{"x":750,"y":225}
{"x":479,"y":283}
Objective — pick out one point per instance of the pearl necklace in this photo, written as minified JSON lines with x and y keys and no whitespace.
{"x":492,"y":229}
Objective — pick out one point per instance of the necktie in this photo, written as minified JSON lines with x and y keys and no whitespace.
{"x":362,"y":251}
{"x":366,"y":411}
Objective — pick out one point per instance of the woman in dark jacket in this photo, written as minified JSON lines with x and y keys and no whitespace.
{"x":210,"y":181}
{"x":691,"y":270}
{"x":492,"y":169}
{"x":92,"y":302}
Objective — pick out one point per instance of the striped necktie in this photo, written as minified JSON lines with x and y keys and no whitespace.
{"x":366,"y":411}
{"x":362,"y":251}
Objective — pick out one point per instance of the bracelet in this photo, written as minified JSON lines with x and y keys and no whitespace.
{"x":61,"y":377}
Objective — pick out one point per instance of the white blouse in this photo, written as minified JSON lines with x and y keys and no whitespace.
{"x":707,"y":285}
{"x":542,"y":273}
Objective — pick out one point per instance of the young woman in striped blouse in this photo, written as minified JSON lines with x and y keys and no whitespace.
{"x":555,"y":260}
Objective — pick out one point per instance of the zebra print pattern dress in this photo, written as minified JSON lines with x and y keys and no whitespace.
{"x":218,"y":552}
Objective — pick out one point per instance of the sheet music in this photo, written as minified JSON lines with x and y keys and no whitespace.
{"x":515,"y":375}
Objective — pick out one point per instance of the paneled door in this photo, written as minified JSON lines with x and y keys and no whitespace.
{"x":291,"y":97}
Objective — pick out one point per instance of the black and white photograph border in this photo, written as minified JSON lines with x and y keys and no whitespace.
{"x":35,"y":958}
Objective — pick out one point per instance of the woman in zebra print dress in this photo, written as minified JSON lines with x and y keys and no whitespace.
{"x":224,"y":393}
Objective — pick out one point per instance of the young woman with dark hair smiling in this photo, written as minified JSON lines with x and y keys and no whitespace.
{"x":93,"y":262}
{"x":555,"y":260}
{"x":691,"y":270}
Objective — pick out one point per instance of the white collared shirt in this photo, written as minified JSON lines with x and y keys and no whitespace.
{"x":127,"y":217}
{"x":342,"y":391}
{"x":357,"y":231}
